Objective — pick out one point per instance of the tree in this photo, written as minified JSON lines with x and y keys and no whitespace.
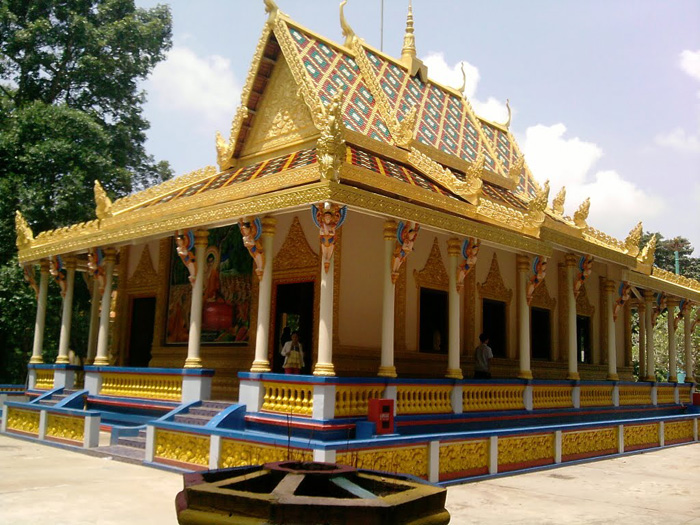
{"x":665,"y":257}
{"x":70,"y":113}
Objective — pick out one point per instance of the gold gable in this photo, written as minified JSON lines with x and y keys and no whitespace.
{"x":282,"y":118}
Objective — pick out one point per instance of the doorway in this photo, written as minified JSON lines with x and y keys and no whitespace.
{"x":494,"y":325}
{"x":583,"y":339}
{"x":294,"y":311}
{"x":143,"y":315}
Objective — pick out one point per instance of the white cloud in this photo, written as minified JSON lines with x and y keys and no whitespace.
{"x":440,"y":71}
{"x":690,"y":63}
{"x":616,"y":204}
{"x":187,"y":85}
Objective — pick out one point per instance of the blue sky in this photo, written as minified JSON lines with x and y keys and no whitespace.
{"x":605,"y":93}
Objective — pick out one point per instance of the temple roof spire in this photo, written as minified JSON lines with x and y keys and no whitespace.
{"x":409,"y":57}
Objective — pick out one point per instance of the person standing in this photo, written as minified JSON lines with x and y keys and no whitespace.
{"x":293,"y":355}
{"x":482,"y":358}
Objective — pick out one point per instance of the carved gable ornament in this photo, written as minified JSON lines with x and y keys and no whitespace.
{"x":145,"y":276}
{"x":494,"y":287}
{"x":433,"y":274}
{"x":541,"y":297}
{"x":583,"y":305}
{"x":295,"y":253}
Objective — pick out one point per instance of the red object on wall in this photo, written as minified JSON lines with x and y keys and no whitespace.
{"x":217,"y":317}
{"x":696,"y":398}
{"x":381,"y":413}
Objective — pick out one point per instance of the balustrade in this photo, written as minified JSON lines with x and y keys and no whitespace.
{"x":353,"y":400}
{"x":288,"y":398}
{"x":552,"y":396}
{"x":476,"y":398}
{"x":144,"y":386}
{"x":596,"y":396}
{"x":423,"y":399}
{"x":635,"y":395}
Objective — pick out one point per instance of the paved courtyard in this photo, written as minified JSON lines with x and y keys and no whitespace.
{"x":44,"y":484}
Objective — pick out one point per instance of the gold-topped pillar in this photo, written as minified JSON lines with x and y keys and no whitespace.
{"x":324,"y":363}
{"x":651,"y":366}
{"x":523,"y":265}
{"x":67,"y":313}
{"x":386,"y":366}
{"x":94,"y":322}
{"x":571,"y":263}
{"x":688,"y":329}
{"x":102,"y":359}
{"x":454,"y":370}
{"x":609,"y":288}
{"x":671,"y":304}
{"x":40,"y":322}
{"x":641,"y":313}
{"x":193,"y":343}
{"x":262,"y":333}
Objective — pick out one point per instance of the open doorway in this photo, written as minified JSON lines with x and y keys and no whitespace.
{"x":143,"y":315}
{"x":294,"y":310}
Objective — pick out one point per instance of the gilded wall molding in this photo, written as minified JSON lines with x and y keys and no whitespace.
{"x":145,"y":277}
{"x":585,"y":246}
{"x":433,"y":275}
{"x":470,"y":189}
{"x":494,"y":287}
{"x":653,"y":282}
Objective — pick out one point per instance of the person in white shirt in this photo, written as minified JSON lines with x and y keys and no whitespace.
{"x":293,"y":355}
{"x":482,"y":358}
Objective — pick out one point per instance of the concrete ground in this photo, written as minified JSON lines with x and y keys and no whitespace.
{"x":44,"y":484}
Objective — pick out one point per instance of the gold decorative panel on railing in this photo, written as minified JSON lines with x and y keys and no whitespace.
{"x":678,"y":432}
{"x":182,"y":447}
{"x":665,"y":395}
{"x":551,"y":396}
{"x":641,"y":436}
{"x":407,"y":460}
{"x":596,"y":396}
{"x":684,"y":394}
{"x":44,"y":379}
{"x":26,"y":421}
{"x":526,"y":449}
{"x":288,"y":398}
{"x":477,"y":398}
{"x":589,"y":442}
{"x":423,"y":399}
{"x":241,"y":453}
{"x":635,"y":395}
{"x":144,"y":386}
{"x":353,"y":400}
{"x":464,"y":457}
{"x":65,"y":427}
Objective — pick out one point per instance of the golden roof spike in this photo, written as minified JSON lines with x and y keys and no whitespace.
{"x":348,"y":33}
{"x":103,"y":208}
{"x":409,"y":58}
{"x":25,"y":236}
{"x":271,"y":9}
{"x":463,"y":87}
{"x":510,"y":114}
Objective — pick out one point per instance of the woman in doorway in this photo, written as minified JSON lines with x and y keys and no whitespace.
{"x":293,"y":355}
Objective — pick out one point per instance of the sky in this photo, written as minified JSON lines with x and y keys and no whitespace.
{"x":605,"y":94}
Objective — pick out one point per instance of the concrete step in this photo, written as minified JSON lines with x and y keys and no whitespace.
{"x":49,"y":402}
{"x":208,"y":412}
{"x":133,"y":441}
{"x":214,"y":404}
{"x":191,"y":419}
{"x":121,"y":453}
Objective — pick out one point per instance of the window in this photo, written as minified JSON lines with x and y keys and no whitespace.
{"x":433,"y":321}
{"x":583,"y":339}
{"x":494,"y":325}
{"x":540,"y":333}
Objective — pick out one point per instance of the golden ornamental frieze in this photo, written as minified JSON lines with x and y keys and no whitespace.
{"x":369,"y":178}
{"x":583,"y":304}
{"x":156,"y":222}
{"x":22,"y":420}
{"x":658,"y":283}
{"x":243,"y":453}
{"x":65,"y":427}
{"x":469,"y":189}
{"x":603,"y":239}
{"x":504,"y":215}
{"x":671,"y":277}
{"x":526,"y":448}
{"x":581,"y":245}
{"x":675,"y":431}
{"x":433,"y":274}
{"x":426,"y":217}
{"x":493,"y":286}
{"x":409,"y":460}
{"x":254,"y":66}
{"x":587,"y":441}
{"x":182,"y":447}
{"x":464,"y":456}
{"x":641,"y":435}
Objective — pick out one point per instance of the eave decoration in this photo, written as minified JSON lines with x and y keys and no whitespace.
{"x":406,"y":235}
{"x":581,"y":214}
{"x":103,"y":204}
{"x":536,"y":207}
{"x":558,"y":202}
{"x":632,"y":240}
{"x":585,"y":267}
{"x":329,"y":218}
{"x":95,"y":264}
{"x":469,"y":189}
{"x":251,"y":230}
{"x":646,"y":256}
{"x":659,"y":306}
{"x":683,"y":312}
{"x":30,"y":277}
{"x":25,"y":236}
{"x":330,"y":148}
{"x":470,"y":251}
{"x":624,"y":292}
{"x":56,"y":269}
{"x":539,"y":272}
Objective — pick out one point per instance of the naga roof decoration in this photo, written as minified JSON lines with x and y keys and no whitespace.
{"x":321,"y":120}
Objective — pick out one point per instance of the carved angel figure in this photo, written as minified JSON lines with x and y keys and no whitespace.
{"x":585,"y":267}
{"x":539,"y":271}
{"x":95,"y":264}
{"x":470,"y":250}
{"x":30,"y":277}
{"x":659,"y":307}
{"x":251,"y":230}
{"x":624,"y":292}
{"x":185,"y":245}
{"x":328,"y":217}
{"x":56,"y":271}
{"x":406,"y":235}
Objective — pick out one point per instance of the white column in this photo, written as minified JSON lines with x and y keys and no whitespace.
{"x":262,"y":333}
{"x":102,"y":358}
{"x":523,"y":265}
{"x":94,"y":322}
{"x":386,"y":367}
{"x":40,"y":315}
{"x":571,"y":312}
{"x":672,"y":357}
{"x":641,"y":312}
{"x":67,"y":314}
{"x":689,"y":366}
{"x":454,"y":370}
{"x":193,"y":343}
{"x":324,"y":364}
{"x":651,"y":367}
{"x":612,"y":343}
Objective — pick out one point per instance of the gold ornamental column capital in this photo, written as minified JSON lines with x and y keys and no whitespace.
{"x":522,"y":262}
{"x":269,"y":224}
{"x":201,"y":238}
{"x":110,"y":255}
{"x":609,"y":286}
{"x":70,"y":261}
{"x":453,"y":246}
{"x":390,"y":227}
{"x":648,"y":296}
{"x":571,"y":259}
{"x":44,"y":266}
{"x":672,"y":302}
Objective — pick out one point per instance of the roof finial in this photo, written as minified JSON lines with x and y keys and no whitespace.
{"x":348,"y":33}
{"x":463,"y":87}
{"x":408,"y":53}
{"x":510,"y":114}
{"x":271,"y":9}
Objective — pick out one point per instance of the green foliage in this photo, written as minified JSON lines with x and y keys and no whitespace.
{"x":665,"y":257}
{"x":70,"y":113}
